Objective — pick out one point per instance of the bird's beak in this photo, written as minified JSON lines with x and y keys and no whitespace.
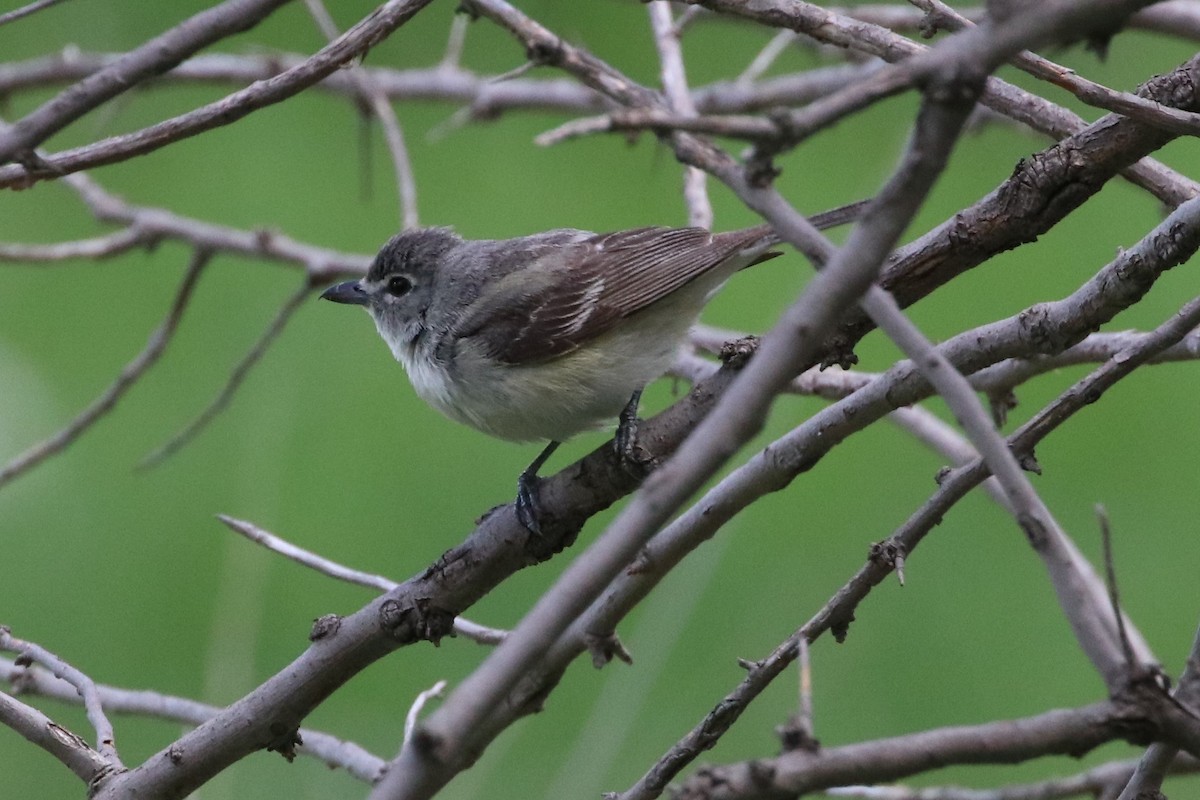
{"x":348,"y":292}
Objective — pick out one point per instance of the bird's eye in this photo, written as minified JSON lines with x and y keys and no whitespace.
{"x":398,"y":285}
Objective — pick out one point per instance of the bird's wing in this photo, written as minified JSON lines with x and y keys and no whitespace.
{"x":580,"y":289}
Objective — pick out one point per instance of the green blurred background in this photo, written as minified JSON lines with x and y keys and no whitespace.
{"x":129,"y":576}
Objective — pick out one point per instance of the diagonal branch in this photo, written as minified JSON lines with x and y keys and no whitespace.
{"x":26,"y":10}
{"x":71,"y":750}
{"x":452,"y":734}
{"x":463,"y":627}
{"x":152,"y":58}
{"x":839,"y":611}
{"x":236,"y":378}
{"x":829,"y":27}
{"x":368,"y":32}
{"x":28,"y":653}
{"x":128,"y":376}
{"x":334,"y":752}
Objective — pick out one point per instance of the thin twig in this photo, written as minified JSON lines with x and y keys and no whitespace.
{"x":155,"y":56}
{"x":455,"y":42}
{"x":236,"y":378}
{"x":766,"y":57}
{"x":674,"y":82}
{"x":319,"y":264}
{"x":306,"y":558}
{"x":334,"y":752}
{"x":394,"y":135}
{"x":414,"y":711}
{"x":26,"y":10}
{"x":97,"y":247}
{"x":353,"y":43}
{"x":128,"y":376}
{"x":28,"y":653}
{"x":1080,"y":591}
{"x":1110,"y":575}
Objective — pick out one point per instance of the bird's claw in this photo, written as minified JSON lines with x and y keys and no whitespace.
{"x":527,"y":507}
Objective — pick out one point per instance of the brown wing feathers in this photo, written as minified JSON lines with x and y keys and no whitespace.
{"x":605,"y":278}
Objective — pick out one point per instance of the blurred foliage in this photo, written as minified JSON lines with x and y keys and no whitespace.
{"x":129,"y":576}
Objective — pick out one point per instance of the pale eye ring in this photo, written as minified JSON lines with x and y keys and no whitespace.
{"x":398,"y":285}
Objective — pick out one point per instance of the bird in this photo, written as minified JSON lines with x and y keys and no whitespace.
{"x":544,"y":336}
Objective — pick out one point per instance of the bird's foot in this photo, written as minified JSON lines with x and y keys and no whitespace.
{"x":528,"y":509}
{"x":625,"y":442}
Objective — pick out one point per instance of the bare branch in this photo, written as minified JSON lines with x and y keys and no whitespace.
{"x":306,"y":558}
{"x":154,"y":57}
{"x":1080,"y":591}
{"x":26,"y":10}
{"x":1098,"y":782}
{"x":1064,"y":732}
{"x":111,"y":244}
{"x":829,"y":27}
{"x":386,"y":115}
{"x":414,"y":712}
{"x":129,"y":375}
{"x":56,"y":740}
{"x":357,"y":40}
{"x":485,"y":98}
{"x":674,"y":82}
{"x":236,"y":378}
{"x":1184,"y":123}
{"x":28,"y":653}
{"x":738,"y":489}
{"x":334,"y":752}
{"x":319,"y":264}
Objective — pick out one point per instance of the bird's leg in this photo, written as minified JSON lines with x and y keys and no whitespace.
{"x":528,"y":510}
{"x":627,"y":429}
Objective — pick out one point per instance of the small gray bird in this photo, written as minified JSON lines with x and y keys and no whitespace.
{"x":544,"y":336}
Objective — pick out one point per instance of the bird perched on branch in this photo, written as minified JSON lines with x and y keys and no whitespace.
{"x":541,"y":337}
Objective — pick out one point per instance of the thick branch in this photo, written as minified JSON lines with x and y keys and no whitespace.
{"x":1070,"y":732}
